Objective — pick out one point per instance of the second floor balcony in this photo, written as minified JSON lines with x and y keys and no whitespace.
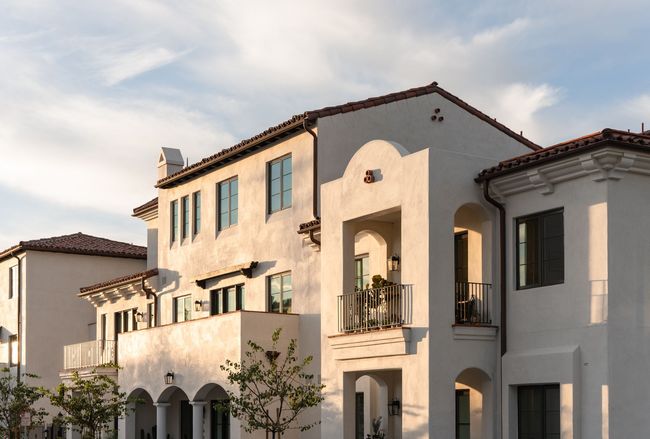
{"x":375,"y":308}
{"x":89,"y":354}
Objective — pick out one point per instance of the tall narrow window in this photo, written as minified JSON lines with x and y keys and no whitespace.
{"x":280,"y":293}
{"x":174,"y":220}
{"x":185,"y":205}
{"x":182,"y":308}
{"x":13,"y":350}
{"x":228,"y":203}
{"x":151,"y":314}
{"x":227,"y":299}
{"x":540,"y":249}
{"x":462,"y":414}
{"x":102,"y":328}
{"x":196,"y":218}
{"x":13,"y":280}
{"x":361,"y":272}
{"x":538,"y":412}
{"x":461,"y":257}
{"x":280,"y":184}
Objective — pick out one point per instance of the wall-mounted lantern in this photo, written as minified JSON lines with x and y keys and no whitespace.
{"x":198,"y":305}
{"x":394,"y":407}
{"x":393,"y":263}
{"x":140,"y":317}
{"x":169,"y":378}
{"x":272,"y":356}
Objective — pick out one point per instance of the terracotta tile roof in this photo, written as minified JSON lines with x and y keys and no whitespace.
{"x":295,"y":124}
{"x":310,"y":225}
{"x":569,"y":147}
{"x":81,"y":244}
{"x":130,"y":278}
{"x":145,"y":207}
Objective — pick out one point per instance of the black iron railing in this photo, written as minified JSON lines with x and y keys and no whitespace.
{"x":375,"y":308}
{"x":473,"y":303}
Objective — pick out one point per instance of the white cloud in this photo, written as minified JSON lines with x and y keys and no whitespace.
{"x":117,"y":67}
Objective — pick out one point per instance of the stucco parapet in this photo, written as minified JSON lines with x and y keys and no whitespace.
{"x":380,"y":343}
{"x":475,"y":332}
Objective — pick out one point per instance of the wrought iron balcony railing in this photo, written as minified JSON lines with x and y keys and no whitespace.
{"x":375,"y":308}
{"x":472,"y":301}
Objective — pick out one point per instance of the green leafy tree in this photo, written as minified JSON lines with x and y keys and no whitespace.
{"x":17,"y":398}
{"x":274,"y":389}
{"x":90,"y":404}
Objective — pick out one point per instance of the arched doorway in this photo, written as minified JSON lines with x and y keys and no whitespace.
{"x":374,"y":392}
{"x":143,"y":416}
{"x":474,"y":405}
{"x":178,"y":412}
{"x":216,"y":421}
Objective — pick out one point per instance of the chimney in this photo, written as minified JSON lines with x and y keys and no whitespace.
{"x":169,"y":162}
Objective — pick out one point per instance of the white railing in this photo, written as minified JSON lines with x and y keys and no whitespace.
{"x":89,"y":354}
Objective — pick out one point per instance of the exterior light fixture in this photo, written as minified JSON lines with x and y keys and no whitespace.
{"x":198,"y":305}
{"x":169,"y":378}
{"x":393,"y":263}
{"x":139,"y":317}
{"x":272,"y":355}
{"x":394,"y":407}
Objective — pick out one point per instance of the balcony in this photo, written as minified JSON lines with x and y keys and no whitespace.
{"x":96,"y":353}
{"x":472,"y":303}
{"x":376,"y":308}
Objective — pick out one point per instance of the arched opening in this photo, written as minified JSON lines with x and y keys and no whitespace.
{"x":370,"y":256}
{"x":472,"y":265}
{"x":216,"y":421}
{"x":373,"y":415}
{"x":473,"y":389}
{"x":178,"y":412}
{"x":142,"y":424}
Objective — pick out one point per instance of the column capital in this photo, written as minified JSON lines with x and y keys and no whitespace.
{"x":199,"y":403}
{"x":162,"y":404}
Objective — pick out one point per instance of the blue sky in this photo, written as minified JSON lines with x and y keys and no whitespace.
{"x":90,"y":90}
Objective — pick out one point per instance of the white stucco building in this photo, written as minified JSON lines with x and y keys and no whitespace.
{"x":494,"y":317}
{"x":39,"y":312}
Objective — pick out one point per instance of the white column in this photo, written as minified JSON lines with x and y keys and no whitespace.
{"x":126,"y":424}
{"x":161,"y":419}
{"x":197,"y":418}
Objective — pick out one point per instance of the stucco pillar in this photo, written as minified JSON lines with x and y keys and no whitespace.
{"x":197,"y":418}
{"x":161,"y":419}
{"x":126,"y":424}
{"x":349,"y":393}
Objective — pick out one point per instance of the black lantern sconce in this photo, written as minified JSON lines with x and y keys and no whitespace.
{"x":169,"y":378}
{"x":394,"y":407}
{"x":198,"y":306}
{"x":393,"y":263}
{"x":140,"y":317}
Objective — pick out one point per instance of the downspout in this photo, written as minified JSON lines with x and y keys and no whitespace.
{"x":149,"y":294}
{"x":315,"y":179}
{"x":19,"y":324}
{"x":502,"y":263}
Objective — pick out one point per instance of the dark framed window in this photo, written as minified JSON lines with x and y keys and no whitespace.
{"x":102,"y":328}
{"x":151,"y":314}
{"x":361,"y":272}
{"x":280,"y":184}
{"x":196,"y":217}
{"x":13,"y":350}
{"x":462,"y":414}
{"x":13,"y":280}
{"x":538,"y":412}
{"x":227,"y":299}
{"x":461,"y":259}
{"x":173,"y":208}
{"x":185,"y":228}
{"x":228,"y":191}
{"x":182,"y":308}
{"x":125,"y":321}
{"x":280,"y":292}
{"x":540,"y":249}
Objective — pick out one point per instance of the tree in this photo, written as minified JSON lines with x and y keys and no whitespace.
{"x":274,"y":389}
{"x":17,"y":399}
{"x":90,"y":404}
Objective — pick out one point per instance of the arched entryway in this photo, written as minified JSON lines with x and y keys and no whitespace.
{"x":142,"y":423}
{"x":474,"y":405}
{"x":375,"y":413}
{"x":174,"y":414}
{"x":215,"y":422}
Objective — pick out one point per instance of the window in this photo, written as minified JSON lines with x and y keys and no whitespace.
{"x":462,"y":414}
{"x":538,"y":412}
{"x":196,"y":203}
{"x":227,"y":299}
{"x":280,"y":293}
{"x":174,"y":220}
{"x":461,"y":259}
{"x":102,"y":328}
{"x":182,"y":308}
{"x":185,"y":205}
{"x":228,"y":203}
{"x":361,"y":272}
{"x":280,"y":184}
{"x":13,"y":350}
{"x":540,"y":249}
{"x":151,"y":314}
{"x":125,"y":321}
{"x":13,"y":280}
